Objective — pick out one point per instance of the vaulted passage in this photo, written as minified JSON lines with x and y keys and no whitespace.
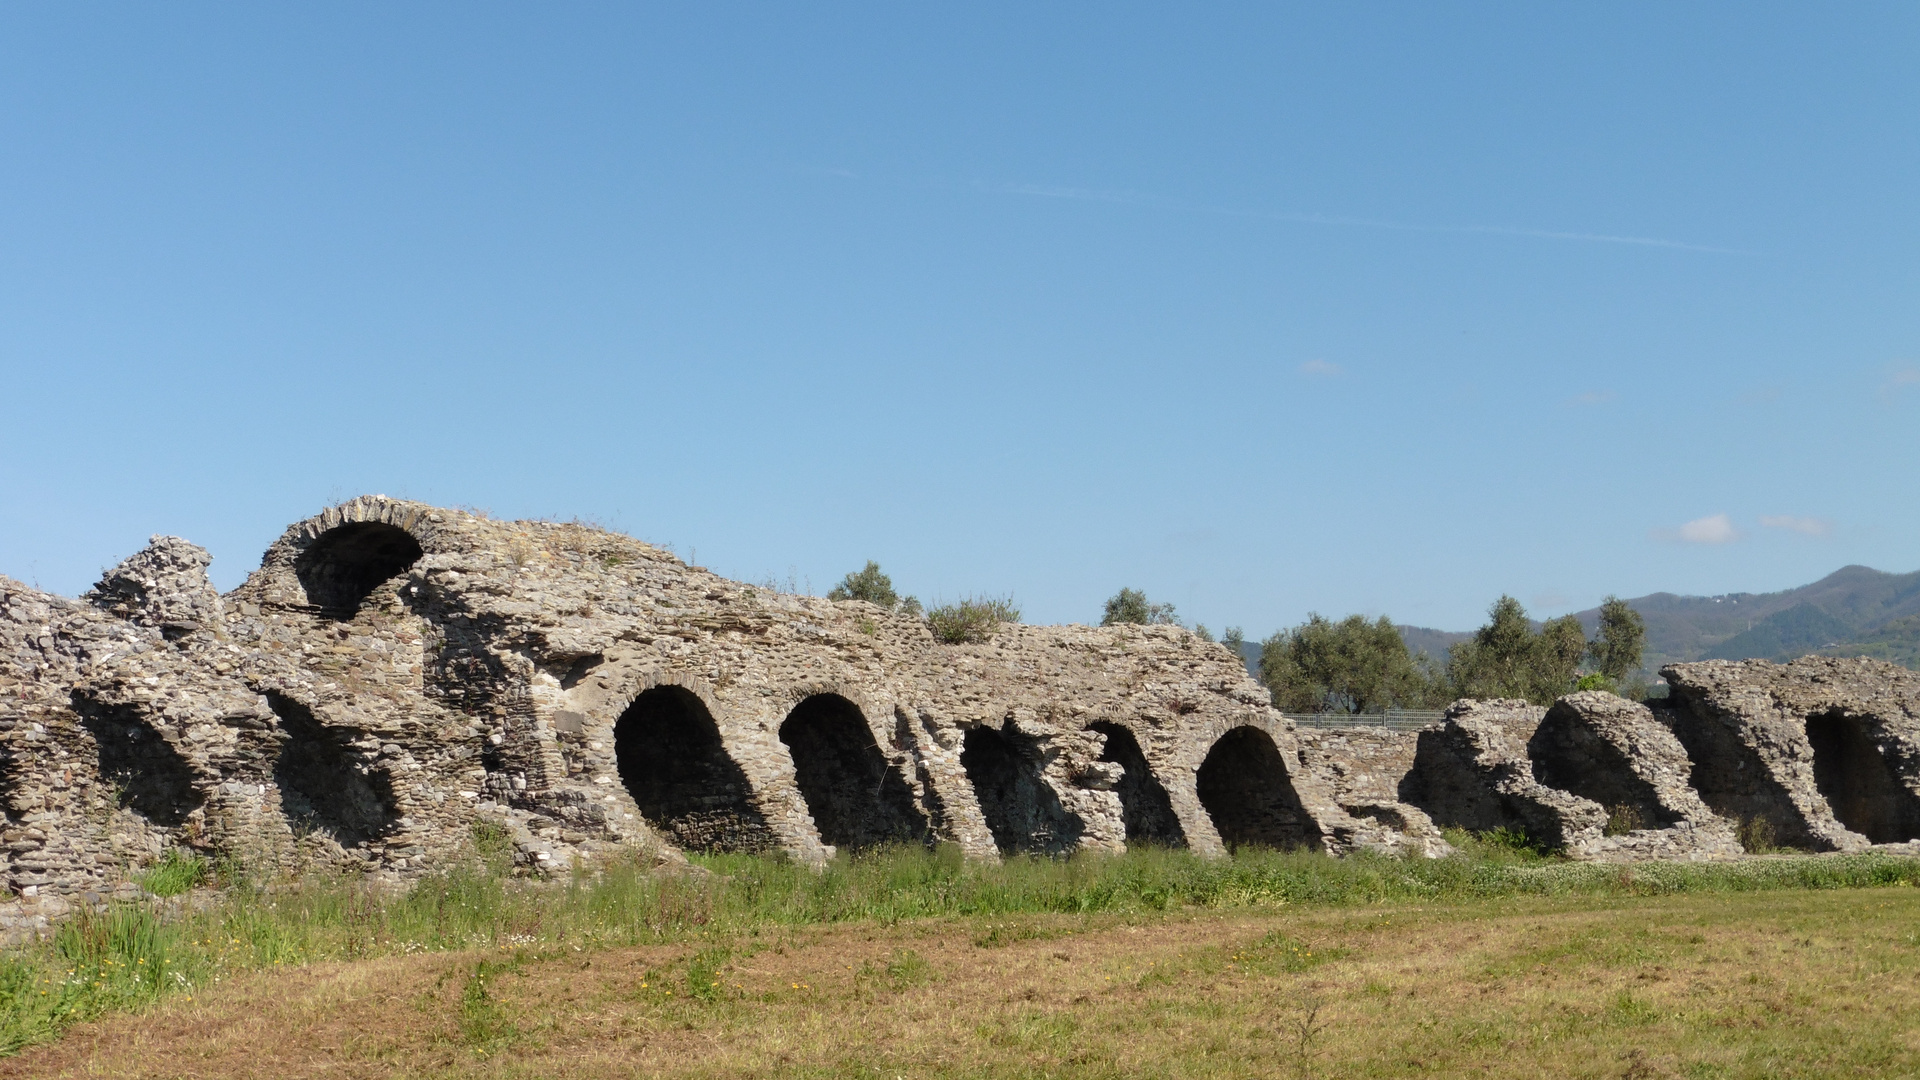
{"x":326,"y":784}
{"x":678,"y":772}
{"x":1568,"y":755}
{"x":1144,"y":805}
{"x":1732,"y":778}
{"x":1022,"y":810}
{"x":1863,"y":791}
{"x":346,"y":564}
{"x":153,"y":780}
{"x":1243,"y":785}
{"x":856,"y":798}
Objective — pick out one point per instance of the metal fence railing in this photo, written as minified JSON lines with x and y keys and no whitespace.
{"x":1392,"y":719}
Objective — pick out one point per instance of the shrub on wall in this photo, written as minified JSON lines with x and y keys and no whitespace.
{"x":972,"y":619}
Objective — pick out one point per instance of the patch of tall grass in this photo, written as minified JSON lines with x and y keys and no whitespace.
{"x":127,"y":957}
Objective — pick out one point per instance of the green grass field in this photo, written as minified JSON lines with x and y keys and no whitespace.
{"x":928,"y":925}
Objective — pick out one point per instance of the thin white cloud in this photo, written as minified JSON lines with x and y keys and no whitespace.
{"x":1323,"y":369}
{"x":1898,"y":380}
{"x":1806,"y":526}
{"x":1135,"y":198}
{"x":1713,"y":529}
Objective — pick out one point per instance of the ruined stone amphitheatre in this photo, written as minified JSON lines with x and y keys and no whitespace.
{"x":395,"y":674}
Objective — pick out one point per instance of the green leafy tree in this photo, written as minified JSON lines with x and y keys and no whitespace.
{"x":1506,"y":658}
{"x":1556,"y":662}
{"x":1350,"y":666}
{"x":1131,"y":606}
{"x":874,"y":587}
{"x":1498,"y":660}
{"x":867,"y":584}
{"x":1622,"y":637}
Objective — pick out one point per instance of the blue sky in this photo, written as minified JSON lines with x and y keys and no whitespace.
{"x":1386,"y":308}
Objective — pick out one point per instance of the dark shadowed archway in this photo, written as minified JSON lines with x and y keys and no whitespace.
{"x":1569,"y":755}
{"x":152,"y":779}
{"x":1022,"y":810}
{"x":678,"y":772}
{"x":856,"y":798}
{"x":1853,"y":775}
{"x":344,"y":565}
{"x":1144,"y":806}
{"x":1244,"y":786}
{"x":326,"y":785}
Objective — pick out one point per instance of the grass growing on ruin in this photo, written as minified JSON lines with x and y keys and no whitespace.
{"x":129,"y":958}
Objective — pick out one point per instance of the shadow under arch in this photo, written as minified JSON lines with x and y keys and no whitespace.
{"x":1023,"y":812}
{"x":1862,"y":789}
{"x":325,"y":784}
{"x":152,"y":778}
{"x":1145,"y":808}
{"x":680,"y":775}
{"x":1244,"y":787}
{"x":857,"y":798}
{"x":345,"y":564}
{"x":1567,"y":755}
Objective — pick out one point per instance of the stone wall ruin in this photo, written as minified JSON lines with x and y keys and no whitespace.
{"x":396,"y":674}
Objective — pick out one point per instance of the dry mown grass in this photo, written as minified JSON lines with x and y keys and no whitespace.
{"x":1771,"y":984}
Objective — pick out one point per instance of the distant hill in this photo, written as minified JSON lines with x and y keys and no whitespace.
{"x":1854,"y":611}
{"x":1851,"y":609}
{"x":1434,"y":643}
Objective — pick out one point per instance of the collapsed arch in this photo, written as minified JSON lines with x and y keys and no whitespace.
{"x":1862,"y":789}
{"x":1145,"y":808}
{"x":325,"y":784}
{"x":1568,"y":755}
{"x":154,"y":781}
{"x":345,"y":564}
{"x":856,"y":797}
{"x":1244,"y":787}
{"x":680,"y":775}
{"x":1023,"y":812}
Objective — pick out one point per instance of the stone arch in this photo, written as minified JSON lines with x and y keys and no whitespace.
{"x":1569,"y":756}
{"x":152,"y":778}
{"x":672,"y":761}
{"x":1145,"y":807}
{"x":1023,"y":812}
{"x":1243,"y":785}
{"x":345,"y":564}
{"x":857,"y":798}
{"x":326,"y":785}
{"x":1853,"y":774}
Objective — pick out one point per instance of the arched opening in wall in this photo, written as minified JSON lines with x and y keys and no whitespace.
{"x":1569,"y":755}
{"x":1863,"y":791}
{"x":1023,"y":812}
{"x":1144,"y":806}
{"x":679,"y":773}
{"x":1731,"y":776}
{"x":856,"y":797}
{"x":344,"y":565}
{"x":1244,"y":786}
{"x":326,"y":785}
{"x":149,"y":776}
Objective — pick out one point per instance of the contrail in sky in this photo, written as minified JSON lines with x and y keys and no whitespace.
{"x":1132,"y":198}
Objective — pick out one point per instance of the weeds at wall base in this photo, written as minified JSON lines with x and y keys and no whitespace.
{"x":127,"y":957}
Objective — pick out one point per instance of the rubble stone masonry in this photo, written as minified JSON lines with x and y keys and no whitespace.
{"x":396,"y":674}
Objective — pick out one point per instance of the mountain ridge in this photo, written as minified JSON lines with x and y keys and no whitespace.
{"x":1854,"y":611}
